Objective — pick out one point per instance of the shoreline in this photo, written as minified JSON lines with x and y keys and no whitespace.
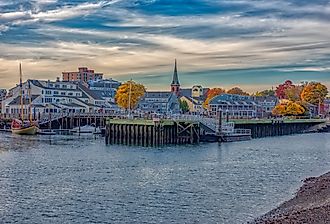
{"x":311,"y":204}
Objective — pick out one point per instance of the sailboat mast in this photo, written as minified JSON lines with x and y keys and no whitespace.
{"x":21,"y":91}
{"x":30,"y":102}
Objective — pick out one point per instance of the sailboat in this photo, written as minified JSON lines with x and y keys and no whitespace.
{"x":21,"y":126}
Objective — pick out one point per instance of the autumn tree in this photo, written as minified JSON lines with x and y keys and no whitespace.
{"x":237,"y":91}
{"x":212,"y":93}
{"x":288,"y":108}
{"x":265,"y":93}
{"x":280,"y":91}
{"x":314,"y":93}
{"x":129,"y":94}
{"x":184,"y":106}
{"x":293,"y":93}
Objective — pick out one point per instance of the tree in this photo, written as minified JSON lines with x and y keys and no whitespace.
{"x":129,"y":94}
{"x":293,"y":93}
{"x":212,"y":93}
{"x":289,"y":108}
{"x":184,"y":106}
{"x":237,"y":91}
{"x":314,"y":93}
{"x":265,"y":93}
{"x":280,"y":91}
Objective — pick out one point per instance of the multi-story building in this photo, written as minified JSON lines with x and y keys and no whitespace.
{"x":3,"y":94}
{"x":236,"y":106}
{"x":54,"y":97}
{"x":159,"y":102}
{"x":106,"y":88}
{"x":195,"y":98}
{"x":267,"y":104}
{"x":82,"y":75}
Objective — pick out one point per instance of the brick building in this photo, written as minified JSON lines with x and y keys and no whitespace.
{"x":83,"y":75}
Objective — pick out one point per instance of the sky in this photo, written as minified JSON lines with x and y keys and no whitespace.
{"x":254,"y":44}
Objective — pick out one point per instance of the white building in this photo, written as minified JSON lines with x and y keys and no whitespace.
{"x":52,"y":97}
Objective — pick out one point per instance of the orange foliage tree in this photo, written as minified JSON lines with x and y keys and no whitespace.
{"x":212,"y":93}
{"x":289,"y":108}
{"x":314,"y":93}
{"x":237,"y":91}
{"x":129,"y":91}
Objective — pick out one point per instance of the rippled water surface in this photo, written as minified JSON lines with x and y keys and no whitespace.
{"x":80,"y":180}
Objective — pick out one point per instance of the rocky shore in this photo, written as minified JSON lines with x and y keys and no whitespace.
{"x":310,"y":205}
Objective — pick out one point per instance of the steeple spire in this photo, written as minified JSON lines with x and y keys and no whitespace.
{"x":175,"y":80}
{"x":175,"y":85}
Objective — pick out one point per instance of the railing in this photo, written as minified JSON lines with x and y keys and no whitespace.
{"x":240,"y":131}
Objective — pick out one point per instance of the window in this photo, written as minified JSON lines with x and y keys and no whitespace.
{"x":55,"y":92}
{"x":63,"y":93}
{"x":48,"y":92}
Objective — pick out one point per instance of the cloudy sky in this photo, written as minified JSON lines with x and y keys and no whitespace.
{"x":255,"y":44}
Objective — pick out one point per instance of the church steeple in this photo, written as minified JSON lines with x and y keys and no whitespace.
{"x":175,"y":86}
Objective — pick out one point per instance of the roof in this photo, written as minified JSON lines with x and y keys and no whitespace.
{"x":39,"y":83}
{"x":194,"y":100}
{"x":187,"y":93}
{"x":231,"y":99}
{"x":17,"y":100}
{"x":157,"y":94}
{"x":89,"y":92}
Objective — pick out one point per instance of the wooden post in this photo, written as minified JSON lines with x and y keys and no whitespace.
{"x":220,"y":122}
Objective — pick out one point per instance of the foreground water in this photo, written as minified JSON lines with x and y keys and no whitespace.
{"x":79,"y":180}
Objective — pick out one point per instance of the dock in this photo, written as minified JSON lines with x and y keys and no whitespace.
{"x":154,"y":132}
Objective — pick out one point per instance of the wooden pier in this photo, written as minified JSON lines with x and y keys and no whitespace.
{"x":151,"y":132}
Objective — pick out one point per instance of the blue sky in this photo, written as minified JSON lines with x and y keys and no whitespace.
{"x":255,"y":44}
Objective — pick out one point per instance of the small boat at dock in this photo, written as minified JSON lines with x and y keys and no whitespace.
{"x":22,"y":126}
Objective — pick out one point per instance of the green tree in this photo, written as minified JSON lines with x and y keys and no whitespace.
{"x":184,"y":106}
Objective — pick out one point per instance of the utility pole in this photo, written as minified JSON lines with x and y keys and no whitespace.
{"x":129,"y":99}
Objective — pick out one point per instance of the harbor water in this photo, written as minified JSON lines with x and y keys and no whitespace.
{"x":72,"y":179}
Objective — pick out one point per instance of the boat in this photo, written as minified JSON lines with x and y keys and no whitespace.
{"x":21,"y":126}
{"x":87,"y":129}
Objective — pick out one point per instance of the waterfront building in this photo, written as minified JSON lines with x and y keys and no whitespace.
{"x":195,"y":98}
{"x":237,"y":106}
{"x":54,"y":97}
{"x":159,"y":102}
{"x":105,"y":88}
{"x":82,"y":75}
{"x":267,"y":104}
